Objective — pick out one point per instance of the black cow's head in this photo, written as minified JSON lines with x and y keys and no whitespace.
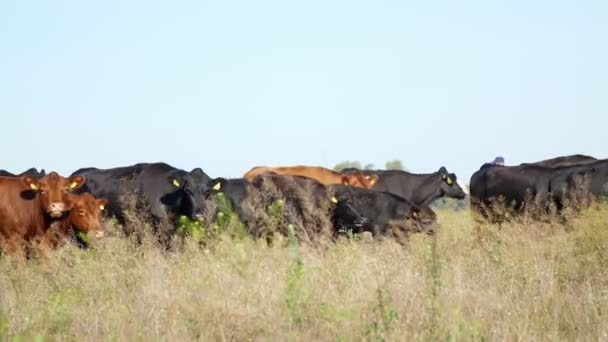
{"x":190,"y":190}
{"x":449,"y":185}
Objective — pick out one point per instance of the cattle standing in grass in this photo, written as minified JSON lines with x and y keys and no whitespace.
{"x":84,"y":217}
{"x":166,"y":192}
{"x":28,"y":206}
{"x":419,"y":189}
{"x":385,"y":213}
{"x":307,"y":204}
{"x":541,"y":183}
{"x":320,"y":174}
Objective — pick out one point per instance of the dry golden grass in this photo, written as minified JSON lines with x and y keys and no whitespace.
{"x":518,"y":281}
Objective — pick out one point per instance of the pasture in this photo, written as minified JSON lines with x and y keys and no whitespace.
{"x":523,"y":280}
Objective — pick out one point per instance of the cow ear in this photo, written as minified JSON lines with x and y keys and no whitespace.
{"x":31,"y":182}
{"x":449,"y":180}
{"x":102,"y":203}
{"x":372,"y":179}
{"x":76,"y":182}
{"x":346,"y":180}
{"x":218,"y":184}
{"x":178,"y":183}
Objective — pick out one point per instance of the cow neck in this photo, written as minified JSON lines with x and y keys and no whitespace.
{"x":428,"y":191}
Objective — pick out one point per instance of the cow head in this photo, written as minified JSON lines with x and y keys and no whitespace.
{"x":85,"y":213}
{"x":359,"y":179}
{"x":449,"y":185}
{"x":53,"y":190}
{"x":190,"y":189}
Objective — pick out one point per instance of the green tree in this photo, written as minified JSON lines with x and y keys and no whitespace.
{"x":395,"y":165}
{"x":347,"y":164}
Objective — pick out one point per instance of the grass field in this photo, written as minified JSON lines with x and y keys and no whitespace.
{"x":518,"y":281}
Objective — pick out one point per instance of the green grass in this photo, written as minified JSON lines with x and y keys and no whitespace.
{"x":518,"y":281}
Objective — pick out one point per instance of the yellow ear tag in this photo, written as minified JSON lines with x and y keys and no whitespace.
{"x":450,"y":181}
{"x":415,"y":214}
{"x":334,"y":199}
{"x":176,"y":183}
{"x":367,"y":177}
{"x":73,"y":185}
{"x":102,"y":207}
{"x":217,"y":186}
{"x":34,"y":187}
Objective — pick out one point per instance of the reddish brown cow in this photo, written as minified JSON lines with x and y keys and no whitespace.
{"x":28,"y":206}
{"x":83,"y":217}
{"x":322,"y":175}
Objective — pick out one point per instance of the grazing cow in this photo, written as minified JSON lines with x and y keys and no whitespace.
{"x":28,"y":206}
{"x":83,"y":218}
{"x":29,"y":172}
{"x":312,"y":201}
{"x":165,"y":191}
{"x":419,"y":189}
{"x":307,"y":202}
{"x":384,"y":213}
{"x":322,"y":175}
{"x":85,"y":214}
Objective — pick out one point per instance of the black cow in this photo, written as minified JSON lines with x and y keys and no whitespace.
{"x":307,"y":202}
{"x":386,"y":213}
{"x":537,"y":182}
{"x":513,"y":184}
{"x":588,"y":178}
{"x":419,"y":189}
{"x":166,"y":191}
{"x":29,"y":172}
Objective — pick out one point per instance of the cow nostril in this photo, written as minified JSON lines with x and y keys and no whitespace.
{"x":57,"y":206}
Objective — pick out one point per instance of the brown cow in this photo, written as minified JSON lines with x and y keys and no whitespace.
{"x":83,"y":217}
{"x":322,"y":175}
{"x":28,"y":206}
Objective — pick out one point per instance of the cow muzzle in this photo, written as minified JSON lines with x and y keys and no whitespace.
{"x":197,"y":217}
{"x":56,"y":209}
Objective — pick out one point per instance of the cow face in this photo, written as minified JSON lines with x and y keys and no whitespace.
{"x":449,"y":185}
{"x":53,"y":190}
{"x":85,"y":213}
{"x":191,"y":188}
{"x":359,"y":179}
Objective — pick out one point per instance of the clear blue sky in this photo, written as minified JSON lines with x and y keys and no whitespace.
{"x":226,"y":85}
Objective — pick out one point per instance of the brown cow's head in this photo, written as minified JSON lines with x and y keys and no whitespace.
{"x":85,"y":213}
{"x":52,"y":190}
{"x":360,"y":180}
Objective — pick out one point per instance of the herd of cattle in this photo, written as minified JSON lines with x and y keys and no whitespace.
{"x":558,"y":182}
{"x":47,"y":208}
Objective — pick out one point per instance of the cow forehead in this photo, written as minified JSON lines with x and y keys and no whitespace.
{"x":52,"y":179}
{"x":84,"y":200}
